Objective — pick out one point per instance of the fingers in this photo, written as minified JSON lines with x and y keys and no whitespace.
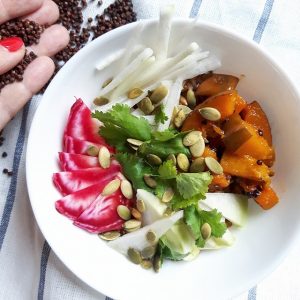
{"x":48,"y":13}
{"x":12,"y":51}
{"x":14,"y":96}
{"x":10,"y":9}
{"x":53,"y":39}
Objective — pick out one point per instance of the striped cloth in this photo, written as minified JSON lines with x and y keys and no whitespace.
{"x":29,"y":269}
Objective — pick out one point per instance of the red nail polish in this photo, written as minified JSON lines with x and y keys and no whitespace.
{"x":12,"y":44}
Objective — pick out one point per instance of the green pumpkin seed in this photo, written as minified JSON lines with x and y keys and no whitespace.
{"x":134,"y":93}
{"x":126,"y":189}
{"x":168,"y":195}
{"x":210,"y":113}
{"x":124,"y":212}
{"x":192,"y":138}
{"x":99,"y":101}
{"x":154,"y":159}
{"x":136,"y":214}
{"x":134,"y":142}
{"x":134,"y":256}
{"x":93,"y":151}
{"x":159,"y":94}
{"x":148,"y":252}
{"x":132,"y":224}
{"x":146,"y":264}
{"x":183,"y":101}
{"x":157,"y":262}
{"x":111,"y":187}
{"x":106,"y":82}
{"x":198,"y":165}
{"x":213,"y":165}
{"x":146,"y":106}
{"x":198,"y":148}
{"x":183,"y":162}
{"x":168,"y":212}
{"x":140,"y":205}
{"x":151,"y":236}
{"x":206,"y":231}
{"x":185,"y":109}
{"x":150,"y":181}
{"x":104,"y":157}
{"x":172,"y":157}
{"x":110,"y":235}
{"x":191,"y":98}
{"x":179,"y":118}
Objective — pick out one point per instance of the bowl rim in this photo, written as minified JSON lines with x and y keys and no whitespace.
{"x":110,"y":35}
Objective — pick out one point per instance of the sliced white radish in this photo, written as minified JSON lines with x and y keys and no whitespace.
{"x":109,"y":60}
{"x":214,"y":243}
{"x":137,"y":239}
{"x":233,"y":207}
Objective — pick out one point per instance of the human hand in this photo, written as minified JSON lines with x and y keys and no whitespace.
{"x":14,"y":96}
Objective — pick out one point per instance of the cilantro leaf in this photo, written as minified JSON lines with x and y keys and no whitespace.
{"x":160,"y":116}
{"x":213,"y":218}
{"x":134,"y":169}
{"x":179,"y":203}
{"x":165,"y":135}
{"x":191,"y":184}
{"x":168,"y":253}
{"x":167,"y":170}
{"x":131,"y":126}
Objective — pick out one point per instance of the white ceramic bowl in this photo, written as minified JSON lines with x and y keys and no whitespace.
{"x":260,"y":246}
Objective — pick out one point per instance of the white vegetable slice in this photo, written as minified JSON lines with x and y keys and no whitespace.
{"x":233,"y":207}
{"x":164,"y":30}
{"x":154,"y":207}
{"x":226,"y":240}
{"x":109,"y":60}
{"x":127,"y":71}
{"x":137,"y":239}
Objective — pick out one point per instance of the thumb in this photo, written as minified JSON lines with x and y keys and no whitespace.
{"x":12,"y":50}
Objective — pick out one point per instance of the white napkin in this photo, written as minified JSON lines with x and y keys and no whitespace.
{"x":28,"y":267}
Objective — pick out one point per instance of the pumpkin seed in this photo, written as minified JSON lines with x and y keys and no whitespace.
{"x":111,"y":187}
{"x":185,"y":109}
{"x":210,"y":113}
{"x":157,"y":262}
{"x":134,"y":255}
{"x":159,"y":94}
{"x":168,"y":212}
{"x":151,"y":236}
{"x":110,"y":235}
{"x":154,"y":159}
{"x":191,"y":98}
{"x":183,"y":162}
{"x":192,"y":138}
{"x":206,"y":231}
{"x":132,"y":224}
{"x":213,"y":165}
{"x":148,"y":252}
{"x":150,"y":181}
{"x":146,"y":106}
{"x":198,"y":149}
{"x":198,"y":165}
{"x":93,"y":151}
{"x":104,"y":157}
{"x":135,"y":148}
{"x":106,"y":82}
{"x":100,"y":101}
{"x":146,"y":264}
{"x":136,"y":214}
{"x":124,"y":212}
{"x":179,"y":118}
{"x":172,"y":157}
{"x":126,"y":189}
{"x":134,"y":142}
{"x":134,"y":93}
{"x":168,"y":195}
{"x":175,"y":112}
{"x":140,"y":205}
{"x":183,"y":101}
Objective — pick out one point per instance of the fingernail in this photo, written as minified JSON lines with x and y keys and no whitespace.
{"x":12,"y":44}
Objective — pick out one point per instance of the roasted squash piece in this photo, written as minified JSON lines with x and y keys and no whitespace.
{"x":254,"y":145}
{"x":240,"y":104}
{"x":208,"y":152}
{"x":216,"y":84}
{"x":267,"y":198}
{"x":254,"y":115}
{"x":245,"y":167}
{"x":222,"y":181}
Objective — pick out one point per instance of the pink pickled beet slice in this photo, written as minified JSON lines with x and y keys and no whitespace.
{"x":101,"y":215}
{"x":81,"y":125}
{"x":73,"y":162}
{"x":74,"y":204}
{"x":71,"y":182}
{"x":76,"y":146}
